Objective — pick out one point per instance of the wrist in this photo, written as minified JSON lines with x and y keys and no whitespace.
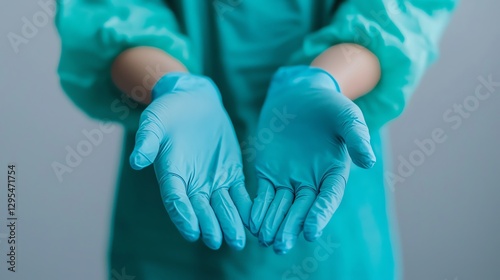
{"x":135,"y":71}
{"x":303,"y":76}
{"x":356,"y":68}
{"x":177,"y":82}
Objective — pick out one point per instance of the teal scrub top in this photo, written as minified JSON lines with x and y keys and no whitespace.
{"x":240,"y":44}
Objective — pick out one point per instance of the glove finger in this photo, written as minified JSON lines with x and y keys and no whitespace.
{"x":241,"y":199}
{"x":211,"y":233}
{"x":294,"y":221}
{"x":265,"y":195}
{"x":179,"y":208}
{"x":357,"y":138}
{"x":229,"y":219}
{"x":326,"y":203}
{"x":275,"y":215}
{"x":147,"y":144}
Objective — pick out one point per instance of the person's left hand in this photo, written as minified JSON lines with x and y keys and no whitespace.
{"x":309,"y":127}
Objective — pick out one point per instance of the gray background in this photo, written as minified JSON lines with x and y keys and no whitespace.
{"x":447,"y":209}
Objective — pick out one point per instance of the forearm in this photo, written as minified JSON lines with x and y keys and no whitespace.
{"x":356,"y":69}
{"x":142,"y":67}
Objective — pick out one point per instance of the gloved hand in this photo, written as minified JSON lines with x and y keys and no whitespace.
{"x":188,"y":135}
{"x":307,"y":128}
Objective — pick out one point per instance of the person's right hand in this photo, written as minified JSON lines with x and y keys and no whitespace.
{"x":187,"y":134}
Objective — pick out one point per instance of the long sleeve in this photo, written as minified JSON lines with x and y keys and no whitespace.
{"x":404,"y":35}
{"x":94,"y":32}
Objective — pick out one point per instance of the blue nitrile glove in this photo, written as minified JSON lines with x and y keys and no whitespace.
{"x":188,"y":135}
{"x":306,"y":127}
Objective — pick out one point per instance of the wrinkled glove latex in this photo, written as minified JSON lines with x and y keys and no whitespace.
{"x":308,"y":127}
{"x":187,"y":133}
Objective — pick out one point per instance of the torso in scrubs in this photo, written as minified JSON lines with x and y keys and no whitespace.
{"x":240,"y":44}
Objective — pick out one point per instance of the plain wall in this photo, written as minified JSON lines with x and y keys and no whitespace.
{"x":447,"y":208}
